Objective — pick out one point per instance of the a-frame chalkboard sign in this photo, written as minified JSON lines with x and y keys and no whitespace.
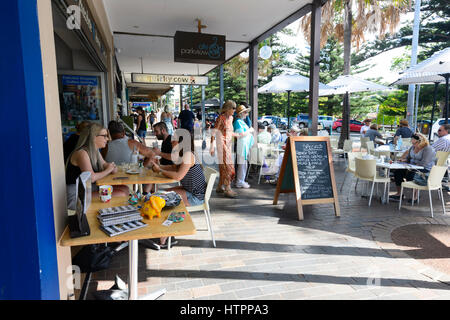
{"x":307,"y":169}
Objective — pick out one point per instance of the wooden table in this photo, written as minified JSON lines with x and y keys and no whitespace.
{"x":154,"y":229}
{"x":147,"y":176}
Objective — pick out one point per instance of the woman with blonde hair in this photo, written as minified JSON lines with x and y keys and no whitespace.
{"x":224,"y":133}
{"x":167,"y":118}
{"x":421,"y":154}
{"x":87,"y":157}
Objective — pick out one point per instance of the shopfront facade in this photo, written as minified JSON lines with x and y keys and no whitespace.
{"x":59,"y":76}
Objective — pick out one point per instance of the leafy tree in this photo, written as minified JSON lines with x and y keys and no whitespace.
{"x":349,"y":20}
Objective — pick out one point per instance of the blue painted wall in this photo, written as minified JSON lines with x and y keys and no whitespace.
{"x":28,"y":262}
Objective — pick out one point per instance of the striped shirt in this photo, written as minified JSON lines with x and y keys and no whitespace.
{"x":442,"y":144}
{"x":194,"y":181}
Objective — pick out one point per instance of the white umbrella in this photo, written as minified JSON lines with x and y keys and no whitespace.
{"x":438,"y":63}
{"x":348,"y":83}
{"x":289,"y":83}
{"x":419,"y":78}
{"x":435,"y":69}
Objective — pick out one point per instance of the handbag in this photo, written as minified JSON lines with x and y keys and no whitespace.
{"x":94,"y":257}
{"x":420,"y":178}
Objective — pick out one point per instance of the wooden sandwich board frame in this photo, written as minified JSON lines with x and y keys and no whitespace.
{"x":290,"y":153}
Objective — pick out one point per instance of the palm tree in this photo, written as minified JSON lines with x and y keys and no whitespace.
{"x":348,"y":21}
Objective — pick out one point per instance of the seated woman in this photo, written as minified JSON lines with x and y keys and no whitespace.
{"x":189,"y":172}
{"x":87,"y":157}
{"x":421,"y":154}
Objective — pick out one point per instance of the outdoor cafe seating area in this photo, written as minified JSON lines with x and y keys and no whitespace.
{"x":365,"y":162}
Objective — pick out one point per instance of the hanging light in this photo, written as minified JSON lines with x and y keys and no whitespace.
{"x":265,"y":52}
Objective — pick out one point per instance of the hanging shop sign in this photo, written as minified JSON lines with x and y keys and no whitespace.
{"x":168,"y":79}
{"x":79,"y":8}
{"x":192,"y":47}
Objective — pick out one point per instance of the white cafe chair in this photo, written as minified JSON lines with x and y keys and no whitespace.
{"x":434,"y":182}
{"x":210,"y":176}
{"x":366,"y":169}
{"x":350,"y":166}
{"x":261,"y":154}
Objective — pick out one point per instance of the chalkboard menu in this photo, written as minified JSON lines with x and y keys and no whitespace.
{"x":313,"y":169}
{"x":307,"y":169}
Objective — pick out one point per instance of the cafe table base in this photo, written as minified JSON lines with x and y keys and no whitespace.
{"x":133,"y":275}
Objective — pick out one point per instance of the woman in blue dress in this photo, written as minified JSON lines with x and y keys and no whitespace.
{"x":244,"y":143}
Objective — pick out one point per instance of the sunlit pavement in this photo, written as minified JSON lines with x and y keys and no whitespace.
{"x":264,"y":252}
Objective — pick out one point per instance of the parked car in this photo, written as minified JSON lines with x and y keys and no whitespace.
{"x":355,"y":125}
{"x":326,"y":121}
{"x":302,"y":120}
{"x":266,"y":120}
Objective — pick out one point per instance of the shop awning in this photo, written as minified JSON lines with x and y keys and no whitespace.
{"x":145,"y":29}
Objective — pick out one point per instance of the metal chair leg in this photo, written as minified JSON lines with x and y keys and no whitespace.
{"x":442,"y":199}
{"x":371,"y":193}
{"x":431,"y":202}
{"x":208,"y":220}
{"x":260,"y":171}
{"x":342,"y":185}
{"x":401,"y":196}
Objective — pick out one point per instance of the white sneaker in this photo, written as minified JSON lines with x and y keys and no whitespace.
{"x":244,"y":185}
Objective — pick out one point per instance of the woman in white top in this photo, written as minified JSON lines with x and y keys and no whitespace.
{"x":365,"y":127}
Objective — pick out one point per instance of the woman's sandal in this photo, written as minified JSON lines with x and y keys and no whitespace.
{"x":220,"y":190}
{"x":230,"y":194}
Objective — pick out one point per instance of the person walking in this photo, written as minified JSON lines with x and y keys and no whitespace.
{"x":151,"y":119}
{"x":186,"y":119}
{"x":141,"y":126}
{"x":224,"y":134}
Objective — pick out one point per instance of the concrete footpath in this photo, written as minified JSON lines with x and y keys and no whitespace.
{"x":264,"y":252}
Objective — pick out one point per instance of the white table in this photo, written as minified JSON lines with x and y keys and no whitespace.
{"x":395,"y":165}
{"x":393,"y":151}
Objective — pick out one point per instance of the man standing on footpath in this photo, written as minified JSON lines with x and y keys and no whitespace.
{"x":187,"y":118}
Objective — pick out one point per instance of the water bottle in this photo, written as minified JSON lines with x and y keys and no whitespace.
{"x":134,"y":156}
{"x":399,"y":143}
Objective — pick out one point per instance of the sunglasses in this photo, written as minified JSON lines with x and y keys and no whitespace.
{"x":103,"y":135}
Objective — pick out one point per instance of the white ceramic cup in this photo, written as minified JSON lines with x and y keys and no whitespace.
{"x":105,"y":193}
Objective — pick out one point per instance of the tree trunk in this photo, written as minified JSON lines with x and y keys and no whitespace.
{"x":345,"y":132}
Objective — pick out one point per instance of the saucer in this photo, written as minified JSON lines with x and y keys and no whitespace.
{"x":132,"y":172}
